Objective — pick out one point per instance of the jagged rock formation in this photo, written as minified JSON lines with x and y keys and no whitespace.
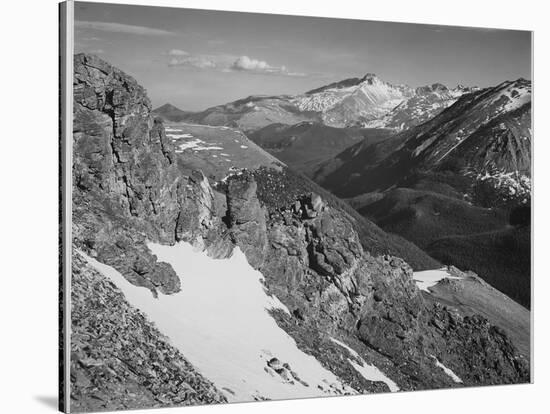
{"x":129,"y":188}
{"x":319,"y":269}
{"x":123,"y":168}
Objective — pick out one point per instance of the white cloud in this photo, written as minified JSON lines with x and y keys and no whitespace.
{"x":177,"y":52}
{"x":121,"y":28}
{"x":246,"y":63}
{"x":228,"y":63}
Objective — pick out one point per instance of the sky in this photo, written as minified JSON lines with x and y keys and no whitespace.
{"x":195,"y":59}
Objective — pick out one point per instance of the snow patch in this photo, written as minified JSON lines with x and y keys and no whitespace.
{"x":369,"y":372}
{"x":209,"y":148}
{"x":447,"y":371}
{"x":220,"y":322}
{"x":429,"y":278}
{"x":512,"y":184}
{"x":179,"y":136}
{"x":194,"y":144}
{"x":512,"y":95}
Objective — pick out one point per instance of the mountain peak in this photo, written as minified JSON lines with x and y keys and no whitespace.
{"x":167,"y":107}
{"x":370,"y":76}
{"x":171,"y":113}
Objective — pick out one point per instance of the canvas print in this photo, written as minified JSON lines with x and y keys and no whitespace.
{"x":268,"y":207}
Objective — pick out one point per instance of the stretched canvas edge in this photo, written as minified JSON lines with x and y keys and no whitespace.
{"x":532,"y":234}
{"x":66,"y":51}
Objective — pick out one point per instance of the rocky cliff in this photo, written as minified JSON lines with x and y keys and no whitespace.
{"x":130,"y":187}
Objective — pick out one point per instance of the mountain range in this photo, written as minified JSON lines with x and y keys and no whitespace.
{"x":217,"y":272}
{"x":484,"y":136}
{"x":372,"y":102}
{"x":336,"y":115}
{"x":465,"y":171}
{"x":367,"y":102}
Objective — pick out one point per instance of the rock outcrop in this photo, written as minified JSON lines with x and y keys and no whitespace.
{"x":246,"y":218}
{"x":317,"y":266}
{"x":127,"y":185}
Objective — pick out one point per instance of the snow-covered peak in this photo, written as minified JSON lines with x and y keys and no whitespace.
{"x":372,"y":102}
{"x":511,"y":95}
{"x":363,"y":95}
{"x":371,"y":78}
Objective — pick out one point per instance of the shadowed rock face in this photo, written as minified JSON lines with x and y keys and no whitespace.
{"x":123,"y":172}
{"x":247,"y":219}
{"x":127,"y":185}
{"x":128,"y":189}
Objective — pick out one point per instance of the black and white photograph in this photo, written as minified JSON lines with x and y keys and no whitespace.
{"x":273,"y":207}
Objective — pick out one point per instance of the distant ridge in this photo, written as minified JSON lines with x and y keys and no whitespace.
{"x":171,"y":113}
{"x":365,"y":102}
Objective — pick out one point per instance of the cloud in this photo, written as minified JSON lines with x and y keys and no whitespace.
{"x":229,"y":63}
{"x":246,"y":63}
{"x":177,"y":52}
{"x":97,"y":51}
{"x":199,"y":61}
{"x":121,"y":28}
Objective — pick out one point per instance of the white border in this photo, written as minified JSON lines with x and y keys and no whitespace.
{"x":67,"y":192}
